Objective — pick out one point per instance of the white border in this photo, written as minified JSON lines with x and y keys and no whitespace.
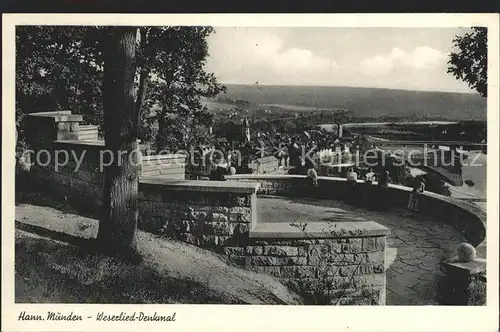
{"x":251,"y":318}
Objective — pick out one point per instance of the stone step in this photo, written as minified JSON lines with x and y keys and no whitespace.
{"x":88,"y":127}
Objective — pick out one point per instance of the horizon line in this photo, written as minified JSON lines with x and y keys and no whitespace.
{"x":355,"y":87}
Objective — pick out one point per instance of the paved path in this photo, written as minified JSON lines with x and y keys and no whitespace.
{"x":422,"y":243}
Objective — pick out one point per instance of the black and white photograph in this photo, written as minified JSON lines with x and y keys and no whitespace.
{"x":249,"y":165}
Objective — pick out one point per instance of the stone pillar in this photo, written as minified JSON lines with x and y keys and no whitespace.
{"x":43,"y":128}
{"x":458,"y":278}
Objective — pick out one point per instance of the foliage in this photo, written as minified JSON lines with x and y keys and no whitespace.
{"x":475,"y":294}
{"x":61,"y":68}
{"x":174,"y":60}
{"x":470,"y":63}
{"x":58,"y":68}
{"x":477,"y":291}
{"x":230,"y":130}
{"x":435,"y":183}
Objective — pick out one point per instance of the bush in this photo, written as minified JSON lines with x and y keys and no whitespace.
{"x":474,"y":295}
{"x":477,"y":289}
{"x":434,"y":183}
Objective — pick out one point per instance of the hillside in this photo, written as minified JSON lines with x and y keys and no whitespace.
{"x":364,"y":102}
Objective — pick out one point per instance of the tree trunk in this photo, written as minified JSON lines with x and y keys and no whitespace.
{"x":141,"y":96}
{"x":75,"y":97}
{"x":118,"y":224}
{"x":143,"y":78}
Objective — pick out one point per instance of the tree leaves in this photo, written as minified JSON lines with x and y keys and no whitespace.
{"x":55,"y":66}
{"x":175,"y":58}
{"x":470,"y":63}
{"x":61,"y":68}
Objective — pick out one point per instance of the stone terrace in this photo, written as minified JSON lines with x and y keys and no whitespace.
{"x":422,"y":243}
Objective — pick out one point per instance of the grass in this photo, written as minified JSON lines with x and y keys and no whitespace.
{"x":55,"y":272}
{"x":48,"y":270}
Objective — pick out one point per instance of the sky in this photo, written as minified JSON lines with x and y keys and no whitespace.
{"x":395,"y":58}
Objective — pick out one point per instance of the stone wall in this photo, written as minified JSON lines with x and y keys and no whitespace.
{"x":81,"y":186}
{"x":43,"y":128}
{"x":324,"y":263}
{"x":170,"y":166}
{"x":325,"y":266}
{"x":209,"y":214}
{"x":50,"y":135}
{"x":264,"y":165}
{"x":88,"y":133}
{"x":467,"y":218}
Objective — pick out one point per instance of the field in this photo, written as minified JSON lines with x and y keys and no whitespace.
{"x":298,"y":108}
{"x":364,"y":102}
{"x":470,"y":131}
{"x":216,"y":105}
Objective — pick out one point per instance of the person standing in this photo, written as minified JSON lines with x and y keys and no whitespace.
{"x":369,"y":177}
{"x":352,"y":178}
{"x":312,"y":176}
{"x":367,"y":192}
{"x":383,"y":190}
{"x":384,"y":180}
{"x":414,"y":201}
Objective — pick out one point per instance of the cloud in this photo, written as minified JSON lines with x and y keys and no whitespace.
{"x":261,"y":55}
{"x":302,"y":60}
{"x":421,"y":58}
{"x":395,"y":59}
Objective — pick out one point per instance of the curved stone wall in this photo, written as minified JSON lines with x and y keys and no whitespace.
{"x":327,"y":263}
{"x":341,"y":263}
{"x":467,"y":218}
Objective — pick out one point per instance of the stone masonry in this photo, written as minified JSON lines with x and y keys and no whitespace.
{"x":326,"y":264}
{"x":207,"y":214}
{"x":326,"y":271}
